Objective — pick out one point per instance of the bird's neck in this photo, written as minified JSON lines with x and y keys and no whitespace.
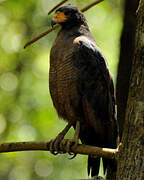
{"x":72,"y":24}
{"x":77,"y":29}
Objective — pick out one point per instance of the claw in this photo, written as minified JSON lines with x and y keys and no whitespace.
{"x":55,"y":153}
{"x":74,"y":155}
{"x":71,"y":154}
{"x":69,"y":144}
{"x":55,"y":147}
{"x":55,"y":144}
{"x":52,"y":150}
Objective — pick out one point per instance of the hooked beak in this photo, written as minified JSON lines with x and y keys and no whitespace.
{"x":58,"y":18}
{"x":53,"y":22}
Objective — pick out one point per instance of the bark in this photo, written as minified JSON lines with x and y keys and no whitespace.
{"x":125,"y":62}
{"x":131,"y":156}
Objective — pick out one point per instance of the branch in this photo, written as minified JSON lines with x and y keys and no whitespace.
{"x":55,"y":7}
{"x":41,"y":35}
{"x":57,"y":25}
{"x":45,"y":146}
{"x":91,"y":5}
{"x":140,"y":5}
{"x":94,"y":178}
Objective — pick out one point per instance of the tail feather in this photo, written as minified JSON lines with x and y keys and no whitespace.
{"x":108,"y":164}
{"x":93,"y":165}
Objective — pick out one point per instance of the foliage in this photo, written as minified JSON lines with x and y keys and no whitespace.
{"x":26,"y":110}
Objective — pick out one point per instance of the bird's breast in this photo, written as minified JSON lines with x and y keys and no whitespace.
{"x":63,"y":79}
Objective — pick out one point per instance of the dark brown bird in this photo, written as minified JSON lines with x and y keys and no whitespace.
{"x":81,"y":86}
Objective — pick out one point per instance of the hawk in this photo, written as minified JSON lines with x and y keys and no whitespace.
{"x":81,"y":87}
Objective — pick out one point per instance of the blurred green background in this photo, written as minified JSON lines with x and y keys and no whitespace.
{"x":26,"y":110}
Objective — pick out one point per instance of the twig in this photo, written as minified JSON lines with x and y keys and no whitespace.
{"x":55,"y":7}
{"x":94,"y":178}
{"x":84,"y":9}
{"x":44,"y":146}
{"x":41,"y":35}
{"x":140,"y":4}
{"x":91,"y":5}
{"x":57,"y":25}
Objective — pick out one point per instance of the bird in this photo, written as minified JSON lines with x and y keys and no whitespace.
{"x":81,"y":88}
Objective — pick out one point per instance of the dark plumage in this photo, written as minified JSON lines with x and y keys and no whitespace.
{"x":81,"y":86}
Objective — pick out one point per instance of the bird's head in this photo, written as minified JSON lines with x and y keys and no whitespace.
{"x":68,"y":16}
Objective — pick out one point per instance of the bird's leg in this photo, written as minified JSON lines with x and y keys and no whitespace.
{"x":77,"y":131}
{"x":75,"y":140}
{"x":55,"y":143}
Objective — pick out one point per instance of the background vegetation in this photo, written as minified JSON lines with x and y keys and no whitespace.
{"x":26,"y":110}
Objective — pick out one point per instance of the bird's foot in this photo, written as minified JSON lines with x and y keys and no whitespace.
{"x":69,"y":144}
{"x":55,"y":145}
{"x":73,"y":142}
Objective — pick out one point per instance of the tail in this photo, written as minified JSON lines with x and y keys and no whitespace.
{"x":93,"y":165}
{"x":109,"y":165}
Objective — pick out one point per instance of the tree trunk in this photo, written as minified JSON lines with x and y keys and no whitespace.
{"x":131,"y":156}
{"x":125,"y":62}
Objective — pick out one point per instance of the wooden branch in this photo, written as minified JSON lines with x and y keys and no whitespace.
{"x":94,"y":178}
{"x":55,"y":7}
{"x":140,"y":4}
{"x":84,"y":9}
{"x":41,"y":35}
{"x":57,"y":25}
{"x":45,"y":146}
{"x":91,"y":5}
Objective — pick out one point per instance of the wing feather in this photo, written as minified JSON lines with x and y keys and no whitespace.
{"x":94,"y":78}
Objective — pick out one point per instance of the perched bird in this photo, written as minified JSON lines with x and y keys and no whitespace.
{"x":81,"y":87}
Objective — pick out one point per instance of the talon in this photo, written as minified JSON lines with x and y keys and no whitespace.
{"x":56,"y":144}
{"x":74,"y":155}
{"x":55,"y":153}
{"x":52,"y":150}
{"x":69,"y":144}
{"x":51,"y":145}
{"x":71,"y":153}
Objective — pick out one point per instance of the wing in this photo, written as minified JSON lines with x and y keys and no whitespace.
{"x":96,"y":88}
{"x":94,"y":79}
